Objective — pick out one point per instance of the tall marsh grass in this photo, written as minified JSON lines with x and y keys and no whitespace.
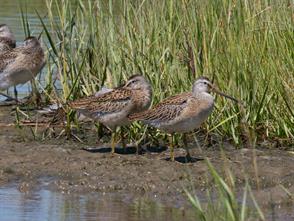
{"x":246,"y":47}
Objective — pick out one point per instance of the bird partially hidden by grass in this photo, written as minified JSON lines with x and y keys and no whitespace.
{"x":7,"y":42}
{"x":7,"y":39}
{"x":21,"y":64}
{"x":112,"y":106}
{"x":182,"y":113}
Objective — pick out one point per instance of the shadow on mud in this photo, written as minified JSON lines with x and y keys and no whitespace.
{"x":127,"y":150}
{"x":184,"y":159}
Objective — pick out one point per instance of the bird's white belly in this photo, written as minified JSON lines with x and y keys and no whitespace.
{"x":187,"y":124}
{"x":110,"y":120}
{"x":8,"y":79}
{"x":115,"y":119}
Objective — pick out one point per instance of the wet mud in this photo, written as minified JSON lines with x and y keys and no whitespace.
{"x":69,"y":168}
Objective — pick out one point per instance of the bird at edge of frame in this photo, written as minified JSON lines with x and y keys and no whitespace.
{"x":21,"y":64}
{"x":7,"y":42}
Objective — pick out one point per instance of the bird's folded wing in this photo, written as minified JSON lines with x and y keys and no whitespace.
{"x":6,"y":59}
{"x":167,"y":110}
{"x":111,"y":102}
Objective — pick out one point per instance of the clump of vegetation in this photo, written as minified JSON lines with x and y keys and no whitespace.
{"x":244,"y":46}
{"x":224,"y":205}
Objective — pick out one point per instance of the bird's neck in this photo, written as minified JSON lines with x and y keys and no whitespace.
{"x":203,"y":95}
{"x":143,"y":98}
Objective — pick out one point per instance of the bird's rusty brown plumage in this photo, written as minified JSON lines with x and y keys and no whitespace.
{"x":169,"y":108}
{"x":112,"y":107}
{"x":112,"y":101}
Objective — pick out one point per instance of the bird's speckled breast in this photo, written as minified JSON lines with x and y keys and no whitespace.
{"x":141,"y":100}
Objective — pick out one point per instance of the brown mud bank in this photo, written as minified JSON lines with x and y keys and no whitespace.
{"x":72,"y":169}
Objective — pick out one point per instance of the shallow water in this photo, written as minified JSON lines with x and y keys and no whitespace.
{"x":43,"y":204}
{"x":10,"y":14}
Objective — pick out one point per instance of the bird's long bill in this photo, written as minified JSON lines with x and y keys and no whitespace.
{"x":225,"y":95}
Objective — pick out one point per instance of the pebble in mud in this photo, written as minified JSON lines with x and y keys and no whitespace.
{"x":24,"y":187}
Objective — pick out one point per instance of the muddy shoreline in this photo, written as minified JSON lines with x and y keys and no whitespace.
{"x":68,"y":168}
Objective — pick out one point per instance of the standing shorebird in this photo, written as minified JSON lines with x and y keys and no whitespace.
{"x":7,"y":42}
{"x":21,"y":64}
{"x":182,"y":113}
{"x":112,"y":106}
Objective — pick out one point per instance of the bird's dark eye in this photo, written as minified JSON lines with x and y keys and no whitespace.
{"x":132,"y":82}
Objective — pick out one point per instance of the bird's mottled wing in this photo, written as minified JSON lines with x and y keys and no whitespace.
{"x":111,"y":102}
{"x":165,"y":111}
{"x":6,"y":59}
{"x":7,"y":41}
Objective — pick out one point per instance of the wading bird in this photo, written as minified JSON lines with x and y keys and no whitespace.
{"x":21,"y":64}
{"x":7,"y":42}
{"x":112,"y":106}
{"x":7,"y":39}
{"x":182,"y":113}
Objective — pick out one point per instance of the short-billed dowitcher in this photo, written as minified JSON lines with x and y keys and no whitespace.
{"x":112,"y":106}
{"x":21,"y":64}
{"x":7,"y":42}
{"x":7,"y":39}
{"x":183,"y":112}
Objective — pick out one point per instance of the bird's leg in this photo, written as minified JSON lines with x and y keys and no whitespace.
{"x":99,"y":130}
{"x":138,"y":143}
{"x":197,"y":143}
{"x":7,"y":92}
{"x":113,"y":136}
{"x":172,"y":154}
{"x":15,"y":92}
{"x":138,"y":148}
{"x":188,"y":156}
{"x":123,"y":138}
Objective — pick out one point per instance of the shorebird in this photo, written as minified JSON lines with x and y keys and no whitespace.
{"x":21,"y":64}
{"x":112,"y":106}
{"x":7,"y":42}
{"x":7,"y":39}
{"x":182,"y":113}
